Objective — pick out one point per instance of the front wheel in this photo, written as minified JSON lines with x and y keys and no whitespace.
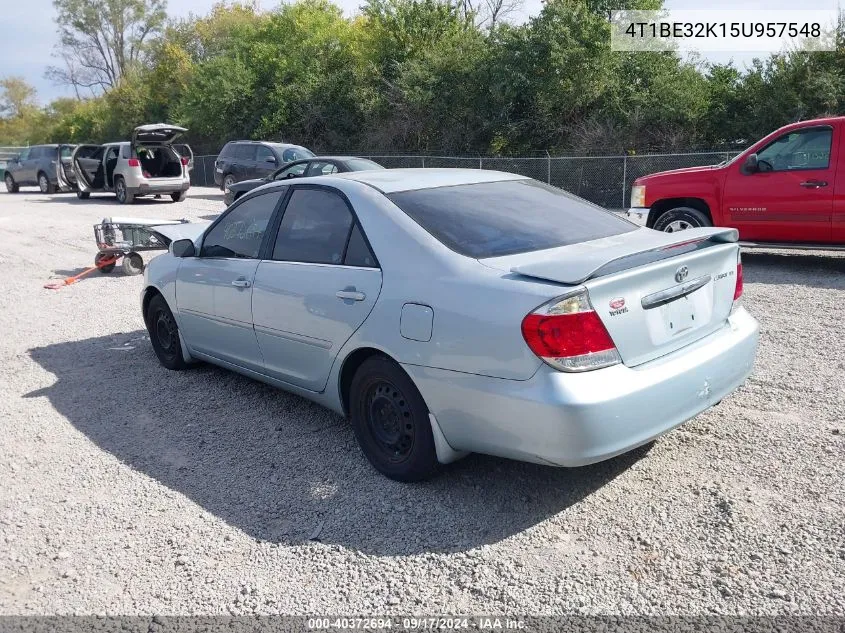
{"x":228,"y":181}
{"x":680,"y":219}
{"x":391,"y":422}
{"x":164,"y":334}
{"x":11,"y":186}
{"x":122,"y":192}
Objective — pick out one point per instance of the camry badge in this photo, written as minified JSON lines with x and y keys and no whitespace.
{"x":681,"y":274}
{"x":617,"y":303}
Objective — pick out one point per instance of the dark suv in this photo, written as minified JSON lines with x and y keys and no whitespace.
{"x":39,"y":165}
{"x":242,"y":160}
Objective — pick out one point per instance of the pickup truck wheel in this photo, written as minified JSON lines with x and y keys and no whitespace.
{"x":390,"y":421}
{"x":11,"y":187}
{"x":681,"y":218}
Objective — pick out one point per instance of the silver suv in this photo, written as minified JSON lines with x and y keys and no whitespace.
{"x":147,"y":165}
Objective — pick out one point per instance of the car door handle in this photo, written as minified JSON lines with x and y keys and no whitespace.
{"x":350,"y":294}
{"x":241,"y":283}
{"x":814,"y":184}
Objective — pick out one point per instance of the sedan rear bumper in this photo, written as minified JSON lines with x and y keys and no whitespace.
{"x":569,"y":419}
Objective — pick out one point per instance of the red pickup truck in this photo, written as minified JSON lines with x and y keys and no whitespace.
{"x":788,"y":188}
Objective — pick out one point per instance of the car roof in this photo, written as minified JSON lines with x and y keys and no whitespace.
{"x":396,"y":180}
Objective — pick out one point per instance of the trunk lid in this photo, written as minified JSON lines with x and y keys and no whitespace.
{"x":654,"y":292}
{"x":156,"y":133}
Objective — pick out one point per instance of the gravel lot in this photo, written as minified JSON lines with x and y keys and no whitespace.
{"x":128,"y":489}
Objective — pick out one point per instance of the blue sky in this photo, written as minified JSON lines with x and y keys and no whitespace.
{"x":28,"y":33}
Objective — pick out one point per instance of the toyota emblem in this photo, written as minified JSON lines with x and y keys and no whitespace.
{"x":681,"y":274}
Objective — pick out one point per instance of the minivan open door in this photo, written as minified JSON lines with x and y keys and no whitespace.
{"x":156,"y":133}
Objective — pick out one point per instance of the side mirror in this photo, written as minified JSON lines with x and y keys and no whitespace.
{"x":270,"y":159}
{"x":183,"y":248}
{"x":750,"y":165}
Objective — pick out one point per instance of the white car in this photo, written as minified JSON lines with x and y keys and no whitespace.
{"x":146,"y":165}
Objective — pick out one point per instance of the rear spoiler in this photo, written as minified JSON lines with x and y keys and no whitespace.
{"x":575,"y":264}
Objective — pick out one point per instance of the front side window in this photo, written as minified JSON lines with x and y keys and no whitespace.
{"x":315,"y":228}
{"x":265,"y":154}
{"x":291,"y":172}
{"x":801,"y":149}
{"x":24,"y":154}
{"x":320,"y":168}
{"x":240,"y":232}
{"x":491,"y":219}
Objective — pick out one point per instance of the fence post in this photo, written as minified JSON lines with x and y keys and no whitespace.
{"x":548,"y":167}
{"x":423,"y":161}
{"x":480,"y":164}
{"x":624,"y":177}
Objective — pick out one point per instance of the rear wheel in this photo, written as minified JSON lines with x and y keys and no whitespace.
{"x":133,"y":264}
{"x":164,"y":334}
{"x":11,"y":186}
{"x":122,"y":192}
{"x":178,"y":196}
{"x":44,"y":183}
{"x":99,"y":258}
{"x":391,"y":421}
{"x":83,"y":195}
{"x":680,"y":219}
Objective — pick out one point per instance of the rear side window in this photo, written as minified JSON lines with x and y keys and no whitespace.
{"x":244,"y":151}
{"x":36,"y":152}
{"x":315,"y":228}
{"x":240,"y":232}
{"x":502,"y":218}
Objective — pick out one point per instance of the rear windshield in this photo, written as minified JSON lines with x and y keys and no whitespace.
{"x":502,"y":218}
{"x":361,"y":164}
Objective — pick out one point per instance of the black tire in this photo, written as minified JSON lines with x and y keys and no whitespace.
{"x":11,"y":185}
{"x":133,"y":264}
{"x":178,"y":196}
{"x":122,"y":193}
{"x":44,"y":184}
{"x":228,"y":181}
{"x":164,"y":334}
{"x":99,"y":257}
{"x":681,"y":218}
{"x":391,"y":421}
{"x":83,"y":195}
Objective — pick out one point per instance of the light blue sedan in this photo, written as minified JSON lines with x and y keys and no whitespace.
{"x":445,"y":311}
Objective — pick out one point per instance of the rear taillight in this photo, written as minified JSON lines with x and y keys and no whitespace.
{"x":567,"y":334}
{"x":738,"y":289}
{"x":184,"y":160}
{"x":134,"y":162}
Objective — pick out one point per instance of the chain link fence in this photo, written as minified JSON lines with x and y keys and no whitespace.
{"x":603,"y":180}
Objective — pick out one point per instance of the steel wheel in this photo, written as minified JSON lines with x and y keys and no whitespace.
{"x":43,"y":184}
{"x":390,"y":420}
{"x":164,"y":334}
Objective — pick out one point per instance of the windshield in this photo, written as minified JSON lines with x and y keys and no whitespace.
{"x":295,"y":153}
{"x":502,"y":218}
